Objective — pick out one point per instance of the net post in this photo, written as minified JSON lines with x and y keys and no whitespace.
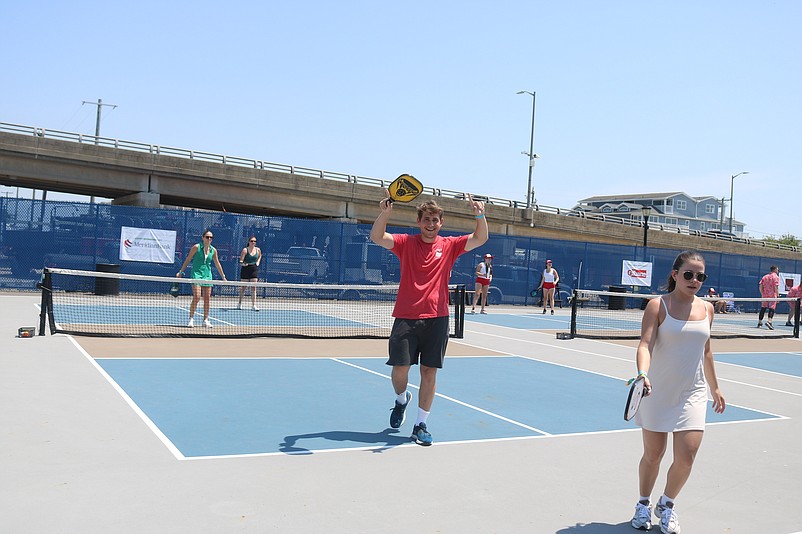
{"x":46,"y":306}
{"x":459,"y":311}
{"x":796,"y":318}
{"x":574,"y":304}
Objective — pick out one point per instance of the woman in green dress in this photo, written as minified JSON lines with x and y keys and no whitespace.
{"x":202,"y":255}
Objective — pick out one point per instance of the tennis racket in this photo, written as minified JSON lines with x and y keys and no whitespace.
{"x":405,"y":188}
{"x":637,"y":391}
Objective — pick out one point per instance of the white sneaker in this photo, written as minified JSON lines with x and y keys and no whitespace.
{"x":207,"y":324}
{"x":669,"y":520}
{"x":239,"y":306}
{"x":255,"y":308}
{"x":643,"y":516}
{"x":191,"y":323}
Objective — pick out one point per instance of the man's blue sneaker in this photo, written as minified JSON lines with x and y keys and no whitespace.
{"x":421,"y":435}
{"x":399,"y":413}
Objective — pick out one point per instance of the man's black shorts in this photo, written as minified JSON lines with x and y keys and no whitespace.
{"x":423,"y":341}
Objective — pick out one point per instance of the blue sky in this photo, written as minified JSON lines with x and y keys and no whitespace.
{"x":632,"y":96}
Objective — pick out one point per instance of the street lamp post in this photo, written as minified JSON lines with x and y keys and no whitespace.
{"x":732,"y":185}
{"x":646,"y":211}
{"x":530,"y":193}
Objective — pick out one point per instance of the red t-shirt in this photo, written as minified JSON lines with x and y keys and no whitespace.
{"x":425,"y":272}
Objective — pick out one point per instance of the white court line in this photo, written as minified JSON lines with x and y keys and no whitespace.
{"x":550,"y":345}
{"x":179,"y":456}
{"x":542,"y":434}
{"x":470,"y":406}
{"x":150,"y":424}
{"x":556,"y":346}
{"x":380,"y":448}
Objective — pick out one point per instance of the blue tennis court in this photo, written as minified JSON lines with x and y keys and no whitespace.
{"x":222,"y":407}
{"x":178,"y":316}
{"x":284,"y":434}
{"x":523,"y":321}
{"x":789,"y":363}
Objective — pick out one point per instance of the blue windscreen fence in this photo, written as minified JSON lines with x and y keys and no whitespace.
{"x":35,"y":234}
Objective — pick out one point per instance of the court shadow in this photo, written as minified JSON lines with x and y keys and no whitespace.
{"x":597,"y":528}
{"x":386,"y":439}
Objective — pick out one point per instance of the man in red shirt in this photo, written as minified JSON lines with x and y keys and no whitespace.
{"x":420,"y":330}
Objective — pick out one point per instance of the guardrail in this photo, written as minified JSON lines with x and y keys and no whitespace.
{"x":350,"y":178}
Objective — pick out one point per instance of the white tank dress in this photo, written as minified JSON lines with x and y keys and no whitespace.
{"x":679,"y":390}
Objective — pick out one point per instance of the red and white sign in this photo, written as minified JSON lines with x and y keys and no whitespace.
{"x":636,"y":273}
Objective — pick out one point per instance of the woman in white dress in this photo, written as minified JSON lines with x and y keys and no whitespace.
{"x":548,"y":283}
{"x":675,"y":357}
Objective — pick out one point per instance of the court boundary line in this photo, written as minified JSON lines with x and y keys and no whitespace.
{"x":178,"y":455}
{"x":580,"y":351}
{"x":411,"y":445}
{"x":618,"y":378}
{"x":786,"y":375}
{"x":130,"y":402}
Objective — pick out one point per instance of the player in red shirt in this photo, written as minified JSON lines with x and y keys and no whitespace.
{"x":420,"y":329}
{"x":769,"y":287}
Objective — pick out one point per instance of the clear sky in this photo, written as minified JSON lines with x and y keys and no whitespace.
{"x":632,"y":96}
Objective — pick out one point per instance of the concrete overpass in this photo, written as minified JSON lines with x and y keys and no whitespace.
{"x":151,"y":175}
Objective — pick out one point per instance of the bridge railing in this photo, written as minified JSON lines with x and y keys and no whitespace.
{"x":350,"y":178}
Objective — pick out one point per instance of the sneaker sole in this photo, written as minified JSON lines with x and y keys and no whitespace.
{"x":414,"y":438}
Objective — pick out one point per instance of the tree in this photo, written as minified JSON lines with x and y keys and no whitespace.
{"x":787,"y":239}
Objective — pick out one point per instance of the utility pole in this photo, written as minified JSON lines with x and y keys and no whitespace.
{"x":99,"y":105}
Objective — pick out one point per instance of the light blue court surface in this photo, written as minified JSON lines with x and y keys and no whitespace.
{"x":538,"y":321}
{"x":523,"y":321}
{"x":165,"y":315}
{"x":221,"y":407}
{"x":788,"y":363}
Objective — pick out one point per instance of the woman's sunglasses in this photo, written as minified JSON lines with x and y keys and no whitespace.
{"x":689,"y":275}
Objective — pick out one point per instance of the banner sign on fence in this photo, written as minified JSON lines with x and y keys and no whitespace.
{"x":787,"y":281}
{"x":636,"y":273}
{"x":147,"y":244}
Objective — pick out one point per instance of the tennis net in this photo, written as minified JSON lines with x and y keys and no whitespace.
{"x":123,"y":305}
{"x":614,"y":315}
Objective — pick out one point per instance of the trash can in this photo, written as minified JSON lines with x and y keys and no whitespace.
{"x":617,"y":303}
{"x":107,"y":286}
